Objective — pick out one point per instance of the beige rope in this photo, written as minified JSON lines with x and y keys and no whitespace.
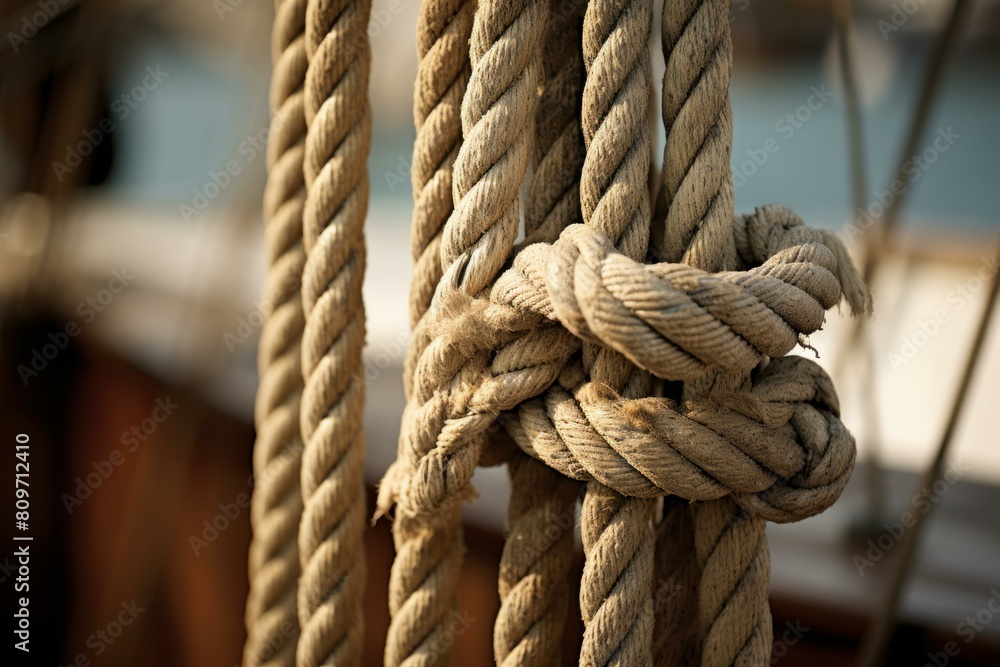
{"x":277,"y":501}
{"x":443,"y":31}
{"x":696,"y":198}
{"x":497,"y":113}
{"x":535,"y":566}
{"x":338,"y":116}
{"x":490,"y":343}
{"x":616,"y":588}
{"x":538,"y":552}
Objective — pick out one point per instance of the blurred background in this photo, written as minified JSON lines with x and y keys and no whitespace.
{"x":132,"y":167}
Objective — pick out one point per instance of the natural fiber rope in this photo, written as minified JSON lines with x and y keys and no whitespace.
{"x":443,"y":31}
{"x":276,"y":508}
{"x":497,"y":115}
{"x":490,"y":344}
{"x":616,"y":588}
{"x":338,"y":117}
{"x":538,"y":552}
{"x":697,"y":195}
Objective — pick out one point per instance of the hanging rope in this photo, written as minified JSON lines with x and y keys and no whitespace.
{"x":538,"y":551}
{"x":617,"y":585}
{"x":271,"y":614}
{"x":338,"y":116}
{"x":443,"y":31}
{"x":770,"y":448}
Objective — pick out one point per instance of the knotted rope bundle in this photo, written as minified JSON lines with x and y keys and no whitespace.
{"x":548,"y":355}
{"x":559,"y":348}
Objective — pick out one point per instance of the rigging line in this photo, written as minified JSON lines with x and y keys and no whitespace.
{"x":874,"y":647}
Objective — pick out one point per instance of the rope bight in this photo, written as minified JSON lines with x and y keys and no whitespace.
{"x":629,"y":348}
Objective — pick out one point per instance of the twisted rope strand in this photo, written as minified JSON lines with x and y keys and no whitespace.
{"x":277,"y":500}
{"x":538,"y":552}
{"x":695,"y":202}
{"x":616,"y":588}
{"x":696,"y":198}
{"x":534,"y":566}
{"x":338,"y":117}
{"x":443,"y":31}
{"x":436,"y":444}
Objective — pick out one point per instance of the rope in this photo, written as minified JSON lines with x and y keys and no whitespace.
{"x":277,"y":501}
{"x":338,"y":141}
{"x":443,"y":31}
{"x":561,"y":336}
{"x":616,"y":588}
{"x":497,"y":113}
{"x":538,"y":552}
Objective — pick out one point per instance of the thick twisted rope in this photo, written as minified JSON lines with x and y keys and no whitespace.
{"x":485,"y":355}
{"x":538,"y":552}
{"x":616,"y":588}
{"x":778,"y":446}
{"x":497,"y":114}
{"x":535,"y":566}
{"x":443,"y":31}
{"x":696,"y":189}
{"x":277,"y":501}
{"x":696,"y":200}
{"x":338,"y":117}
{"x":796,"y":274}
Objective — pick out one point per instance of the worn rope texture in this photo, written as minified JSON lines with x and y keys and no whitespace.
{"x":696,"y":201}
{"x":338,"y":117}
{"x":271,"y":614}
{"x":443,"y":31}
{"x":497,"y":123}
{"x":796,"y":274}
{"x":538,"y":551}
{"x":495,"y":344}
{"x":696,"y":197}
{"x":616,"y":587}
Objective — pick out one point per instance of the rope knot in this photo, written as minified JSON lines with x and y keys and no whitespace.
{"x":776,"y":445}
{"x":681,"y":323}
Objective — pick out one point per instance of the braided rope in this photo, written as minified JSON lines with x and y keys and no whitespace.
{"x":277,"y":501}
{"x":338,"y":117}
